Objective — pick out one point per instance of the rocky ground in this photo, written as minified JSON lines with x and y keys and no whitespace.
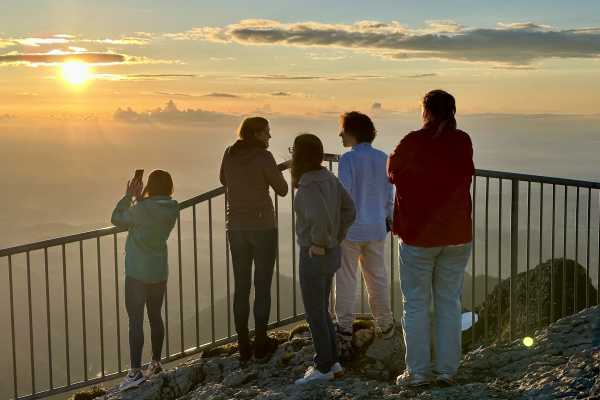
{"x":560,"y":364}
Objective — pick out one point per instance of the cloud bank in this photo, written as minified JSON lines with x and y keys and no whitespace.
{"x":507,"y":43}
{"x":58,"y":57}
{"x":171,"y":115}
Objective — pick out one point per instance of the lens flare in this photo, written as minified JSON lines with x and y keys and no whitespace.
{"x":528,"y":341}
{"x":75,"y":72}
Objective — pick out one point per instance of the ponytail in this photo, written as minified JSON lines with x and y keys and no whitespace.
{"x":440,"y":107}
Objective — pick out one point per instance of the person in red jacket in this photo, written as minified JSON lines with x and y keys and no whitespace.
{"x":432,"y":169}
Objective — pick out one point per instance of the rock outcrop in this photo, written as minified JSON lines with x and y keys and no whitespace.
{"x":543,"y":295}
{"x":560,"y":364}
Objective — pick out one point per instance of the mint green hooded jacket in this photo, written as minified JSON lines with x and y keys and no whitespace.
{"x":149,"y":222}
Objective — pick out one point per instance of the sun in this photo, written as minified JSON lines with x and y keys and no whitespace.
{"x":75,"y":72}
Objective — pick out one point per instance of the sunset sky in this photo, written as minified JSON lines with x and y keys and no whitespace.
{"x":307,"y":57}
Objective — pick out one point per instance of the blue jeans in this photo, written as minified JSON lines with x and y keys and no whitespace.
{"x":316,"y":277}
{"x":137,"y":296}
{"x":436,"y":273}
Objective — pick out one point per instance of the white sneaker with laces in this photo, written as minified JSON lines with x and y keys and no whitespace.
{"x":411,"y":380}
{"x":132,"y":380}
{"x":153,"y":368}
{"x":337,"y":370}
{"x":312,"y":374}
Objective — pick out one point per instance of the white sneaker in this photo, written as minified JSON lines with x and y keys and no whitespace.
{"x":337,"y":370}
{"x":313,"y":374}
{"x":132,"y":380}
{"x":153,"y":368}
{"x":412,"y":380}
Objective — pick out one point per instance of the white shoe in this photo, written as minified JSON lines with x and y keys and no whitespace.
{"x":132,"y":380}
{"x":313,"y":374}
{"x":337,"y":370}
{"x":153,"y":368}
{"x":412,"y":380}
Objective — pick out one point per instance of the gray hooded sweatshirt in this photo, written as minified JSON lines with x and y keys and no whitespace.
{"x":324,"y":210}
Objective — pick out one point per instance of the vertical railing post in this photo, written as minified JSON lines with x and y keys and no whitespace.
{"x":66,"y":302}
{"x":196,"y":305}
{"x":211,"y":271}
{"x":180,"y":276}
{"x":277,"y":297}
{"x":31,"y":346}
{"x":100,"y":308}
{"x":117,"y":302}
{"x":12,"y":327}
{"x":514,"y":256}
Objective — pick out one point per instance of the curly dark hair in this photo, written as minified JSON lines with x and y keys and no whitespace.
{"x":307,"y":156}
{"x":358,"y":125}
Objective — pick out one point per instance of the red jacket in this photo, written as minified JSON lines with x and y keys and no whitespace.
{"x":432,"y":175}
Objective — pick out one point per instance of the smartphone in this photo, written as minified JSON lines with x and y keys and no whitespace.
{"x":138,"y":175}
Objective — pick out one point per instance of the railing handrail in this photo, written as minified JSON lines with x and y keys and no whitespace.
{"x":106,"y":231}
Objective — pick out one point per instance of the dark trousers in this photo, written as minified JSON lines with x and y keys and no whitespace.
{"x":316,"y":277}
{"x":137,"y":295}
{"x":596,"y":332}
{"x":260,"y":247}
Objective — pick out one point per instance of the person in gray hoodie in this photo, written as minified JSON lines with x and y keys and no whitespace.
{"x":150,"y":220}
{"x":248,"y":171}
{"x":324,"y":213}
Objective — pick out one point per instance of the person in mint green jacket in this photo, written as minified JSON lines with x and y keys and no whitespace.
{"x":150,"y":219}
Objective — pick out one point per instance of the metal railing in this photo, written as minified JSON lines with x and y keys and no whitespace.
{"x":66,"y":320}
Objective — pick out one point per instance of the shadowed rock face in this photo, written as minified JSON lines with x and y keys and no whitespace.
{"x":539,"y":301}
{"x":560,"y":364}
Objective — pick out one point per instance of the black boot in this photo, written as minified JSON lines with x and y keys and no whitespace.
{"x":264,"y":346}
{"x":245,"y":348}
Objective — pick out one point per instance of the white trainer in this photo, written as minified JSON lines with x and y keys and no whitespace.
{"x":337,"y":370}
{"x":132,"y":380}
{"x":312,"y":374}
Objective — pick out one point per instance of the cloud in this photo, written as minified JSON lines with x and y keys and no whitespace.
{"x":281,"y":94}
{"x":223,"y":95}
{"x":283,"y":77}
{"x":158,"y":76}
{"x":507,"y":43}
{"x":443,"y":26}
{"x":6,"y":117}
{"x":376,"y":106}
{"x":37,"y":42}
{"x":171,"y":115}
{"x":61,"y":57}
{"x":188,"y":95}
{"x":138,"y":39}
{"x":58,"y":56}
{"x":419,"y":76}
{"x":222,"y":58}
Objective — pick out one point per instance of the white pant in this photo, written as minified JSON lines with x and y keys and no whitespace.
{"x":436,"y":273}
{"x":371,"y":257}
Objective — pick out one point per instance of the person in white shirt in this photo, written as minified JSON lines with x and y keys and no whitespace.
{"x":363,"y":173}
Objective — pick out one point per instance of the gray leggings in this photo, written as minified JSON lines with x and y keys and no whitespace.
{"x":137,"y":295}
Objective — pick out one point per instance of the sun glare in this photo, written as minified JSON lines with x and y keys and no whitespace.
{"x":75,"y":72}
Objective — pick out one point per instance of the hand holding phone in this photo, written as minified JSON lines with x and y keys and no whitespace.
{"x":134,"y":186}
{"x":139,"y":173}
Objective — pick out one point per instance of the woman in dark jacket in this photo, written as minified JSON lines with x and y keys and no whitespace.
{"x":248,"y":170}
